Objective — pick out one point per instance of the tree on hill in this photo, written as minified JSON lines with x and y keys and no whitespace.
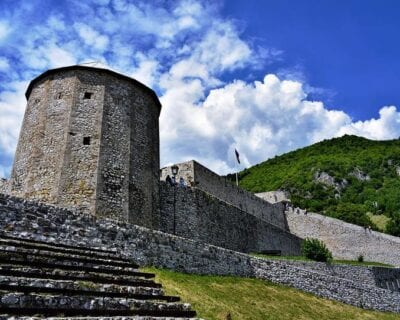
{"x":342,"y":177}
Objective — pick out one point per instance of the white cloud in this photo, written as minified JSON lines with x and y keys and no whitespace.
{"x":4,"y":64}
{"x":387,"y":126}
{"x":12,"y":106}
{"x":91,"y":37}
{"x":184,"y":50}
{"x":5,"y":29}
{"x":147,"y":71}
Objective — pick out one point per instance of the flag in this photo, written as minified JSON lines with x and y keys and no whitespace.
{"x":237,"y":156}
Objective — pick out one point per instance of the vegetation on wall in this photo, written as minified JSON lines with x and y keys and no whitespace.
{"x":345,"y":178}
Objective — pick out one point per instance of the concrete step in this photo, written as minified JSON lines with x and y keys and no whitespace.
{"x":22,"y":304}
{"x":74,"y":275}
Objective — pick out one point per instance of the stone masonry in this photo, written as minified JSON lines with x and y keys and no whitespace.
{"x":192,"y":213}
{"x":90,"y":139}
{"x":4,"y":186}
{"x":31,"y":220}
{"x":345,"y":240}
{"x":204,"y":179}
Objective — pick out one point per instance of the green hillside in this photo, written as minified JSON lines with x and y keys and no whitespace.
{"x":350,"y":178}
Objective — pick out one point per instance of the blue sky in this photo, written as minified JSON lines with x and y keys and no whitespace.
{"x":265,"y":77}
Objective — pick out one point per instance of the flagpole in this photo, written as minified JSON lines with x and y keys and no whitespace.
{"x":236,"y":169}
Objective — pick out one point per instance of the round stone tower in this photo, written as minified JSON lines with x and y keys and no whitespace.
{"x":90,"y":139}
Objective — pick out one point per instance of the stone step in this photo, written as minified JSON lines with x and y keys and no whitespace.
{"x":64,"y":247}
{"x":65,"y":259}
{"x":72,"y":251}
{"x":80,"y":285}
{"x":32,"y":260}
{"x":58,"y":274}
{"x":27,"y":289}
{"x":21,"y":304}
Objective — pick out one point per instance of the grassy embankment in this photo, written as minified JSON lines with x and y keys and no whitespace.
{"x":215,"y":297}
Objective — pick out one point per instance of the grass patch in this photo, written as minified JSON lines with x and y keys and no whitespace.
{"x":213,"y":297}
{"x":301,"y":258}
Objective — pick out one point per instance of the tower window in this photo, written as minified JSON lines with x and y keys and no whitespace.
{"x":86,"y":141}
{"x":88,"y":95}
{"x":59,"y":96}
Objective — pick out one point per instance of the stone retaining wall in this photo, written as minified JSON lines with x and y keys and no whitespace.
{"x":386,"y":278}
{"x":195,"y":214}
{"x":345,"y":240}
{"x":34,"y":221}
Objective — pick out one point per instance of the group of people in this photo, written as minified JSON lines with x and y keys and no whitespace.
{"x":172,"y":181}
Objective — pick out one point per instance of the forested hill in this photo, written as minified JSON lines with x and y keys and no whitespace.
{"x":350,"y":178}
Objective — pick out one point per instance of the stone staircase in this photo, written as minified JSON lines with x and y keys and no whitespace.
{"x":44,"y":280}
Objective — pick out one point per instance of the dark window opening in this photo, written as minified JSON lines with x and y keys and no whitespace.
{"x":72,"y":133}
{"x":59,"y":96}
{"x":88,"y":95}
{"x":86,"y":141}
{"x":37,"y":100}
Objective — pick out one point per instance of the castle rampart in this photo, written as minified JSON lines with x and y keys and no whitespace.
{"x":345,"y":240}
{"x":202,"y":178}
{"x":90,"y":140}
{"x":194,"y":214}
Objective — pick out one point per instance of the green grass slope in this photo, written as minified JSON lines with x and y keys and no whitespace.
{"x":215,"y":297}
{"x":363,"y":176}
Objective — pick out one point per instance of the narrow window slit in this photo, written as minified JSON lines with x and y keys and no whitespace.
{"x":86,"y":141}
{"x":88,"y":95}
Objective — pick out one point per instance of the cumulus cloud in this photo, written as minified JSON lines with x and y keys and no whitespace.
{"x":387,"y":126}
{"x":186,"y":51}
{"x":261,"y":119}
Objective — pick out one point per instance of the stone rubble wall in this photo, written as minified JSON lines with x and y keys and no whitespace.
{"x":90,"y":139}
{"x":31,"y":220}
{"x":345,"y":240}
{"x":192,"y":213}
{"x":4,"y":186}
{"x":220,"y":187}
{"x":383,"y":277}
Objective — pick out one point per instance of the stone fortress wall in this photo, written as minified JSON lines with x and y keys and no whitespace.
{"x":345,"y":240}
{"x":4,"y":186}
{"x":351,"y":285}
{"x":204,"y":179}
{"x":194,"y":214}
{"x":90,"y":139}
